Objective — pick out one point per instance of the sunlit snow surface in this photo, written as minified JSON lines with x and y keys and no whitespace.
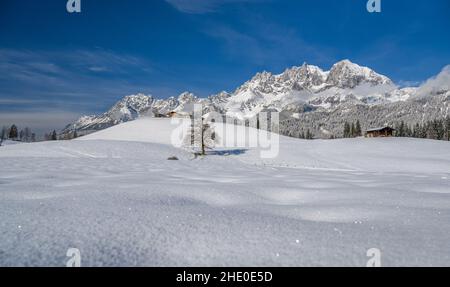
{"x":116,"y":197}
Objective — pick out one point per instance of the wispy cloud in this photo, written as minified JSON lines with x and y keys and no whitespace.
{"x":203,"y":6}
{"x":60,"y":67}
{"x":66,"y":83}
{"x":406,"y":84}
{"x":265,"y":43}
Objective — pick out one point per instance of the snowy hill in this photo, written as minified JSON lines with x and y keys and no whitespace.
{"x":130,"y":108}
{"x":116,"y":197}
{"x":302,"y":93}
{"x":374,"y":155}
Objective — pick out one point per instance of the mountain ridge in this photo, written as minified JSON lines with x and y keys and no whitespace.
{"x":298,"y":90}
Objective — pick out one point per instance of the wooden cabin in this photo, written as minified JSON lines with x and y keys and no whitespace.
{"x":172,"y":114}
{"x":380,"y":132}
{"x":179,"y":114}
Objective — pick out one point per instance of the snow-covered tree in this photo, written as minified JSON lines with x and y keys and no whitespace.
{"x":353,"y":131}
{"x":309,"y":135}
{"x":346,"y":130}
{"x":27,"y":134}
{"x":358,"y":129}
{"x":201,"y":135}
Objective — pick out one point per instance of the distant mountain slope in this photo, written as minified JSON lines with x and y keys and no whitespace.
{"x":128,"y":109}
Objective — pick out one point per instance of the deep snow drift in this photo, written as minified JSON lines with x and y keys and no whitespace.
{"x":116,"y":197}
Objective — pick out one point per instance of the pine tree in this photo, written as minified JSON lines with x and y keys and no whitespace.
{"x":416,"y":131}
{"x":401,"y":130}
{"x":346,"y":130}
{"x":358,"y":129}
{"x":408,"y":132}
{"x":4,"y":132}
{"x":432,"y":130}
{"x":54,"y":136}
{"x":440,"y":130}
{"x":423,"y":132}
{"x":447,"y":127}
{"x":352,"y":131}
{"x":13,"y":133}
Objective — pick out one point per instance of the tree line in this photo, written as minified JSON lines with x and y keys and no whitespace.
{"x":13,"y":133}
{"x":26,"y":135}
{"x":437,"y":129}
{"x":352,"y":130}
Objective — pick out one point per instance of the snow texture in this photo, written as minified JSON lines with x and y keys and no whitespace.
{"x":116,"y":197}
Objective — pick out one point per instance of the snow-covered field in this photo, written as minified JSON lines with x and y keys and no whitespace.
{"x":10,"y":142}
{"x":116,"y":197}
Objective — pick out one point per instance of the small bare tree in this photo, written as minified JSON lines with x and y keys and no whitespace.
{"x":201,"y":134}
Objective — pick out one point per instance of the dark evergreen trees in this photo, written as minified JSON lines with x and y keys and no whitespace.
{"x":347,"y":131}
{"x":13,"y":133}
{"x":358,"y":129}
{"x":447,"y":128}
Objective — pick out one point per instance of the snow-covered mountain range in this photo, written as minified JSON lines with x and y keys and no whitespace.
{"x":301,"y":93}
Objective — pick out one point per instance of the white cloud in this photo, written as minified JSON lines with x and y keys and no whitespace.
{"x":408,"y":84}
{"x":438,"y":83}
{"x":98,"y":69}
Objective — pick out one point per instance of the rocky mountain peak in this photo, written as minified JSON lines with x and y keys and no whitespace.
{"x":348,"y":75}
{"x":299,"y":89}
{"x":186,"y":97}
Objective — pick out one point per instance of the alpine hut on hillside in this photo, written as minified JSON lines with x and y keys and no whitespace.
{"x":380,"y":132}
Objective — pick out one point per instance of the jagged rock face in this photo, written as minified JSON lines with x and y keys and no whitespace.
{"x":127,"y":109}
{"x":130,"y":108}
{"x":262,"y":82}
{"x":305,"y":90}
{"x":347,"y":75}
{"x":219,"y":101}
{"x":346,"y":82}
{"x":133,"y":106}
{"x":304,"y":77}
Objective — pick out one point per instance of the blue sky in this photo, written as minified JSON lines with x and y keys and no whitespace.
{"x":55,"y":66}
